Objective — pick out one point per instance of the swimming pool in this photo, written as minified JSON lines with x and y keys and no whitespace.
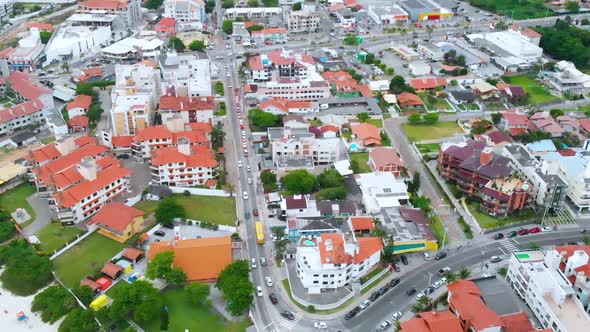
{"x":353,"y":147}
{"x":308,"y":243}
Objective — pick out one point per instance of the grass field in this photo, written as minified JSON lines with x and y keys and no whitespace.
{"x":362,"y":158}
{"x":17,"y":198}
{"x":376,"y":122}
{"x":428,"y":148}
{"x":184,"y":315}
{"x":217,"y":210}
{"x":285,"y":283}
{"x":54,"y":236}
{"x":537,"y":94}
{"x":48,"y":140}
{"x":85,"y":258}
{"x":487,"y":221}
{"x":518,"y":10}
{"x":422,"y":132}
{"x":433,"y":103}
{"x":439,"y":230}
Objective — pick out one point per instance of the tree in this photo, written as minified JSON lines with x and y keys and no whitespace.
{"x":422,"y":304}
{"x":370,"y":58}
{"x":227,"y":3}
{"x":209,"y":6}
{"x":451,"y":277}
{"x":176,"y":43}
{"x":330,"y":178}
{"x":25,"y":271}
{"x":454,"y":83}
{"x":255,"y":27}
{"x":300,"y":182}
{"x":138,"y":300}
{"x":65,"y":66}
{"x":338,"y":193}
{"x":586,"y":240}
{"x":350,"y":40}
{"x":496,"y":118}
{"x":164,"y":319}
{"x":585,"y":21}
{"x":94,"y":113}
{"x":572,"y":6}
{"x":480,"y":127}
{"x":263,"y":119}
{"x":84,"y":88}
{"x":253,"y":3}
{"x":7,"y":230}
{"x":363,"y":116}
{"x":422,"y":202}
{"x":44,"y":36}
{"x":53,"y":303}
{"x":197,"y":292}
{"x":153,"y":4}
{"x":414,"y":184}
{"x":228,"y":26}
{"x":167,"y":210}
{"x":570,"y":139}
{"x":176,"y":277}
{"x":84,"y":294}
{"x":556,"y":113}
{"x":197,"y":45}
{"x":79,"y":320}
{"x":269,"y":180}
{"x":297,"y":6}
{"x":464,"y":274}
{"x":430,"y":118}
{"x":161,"y":266}
{"x":398,"y":85}
{"x":238,"y":291}
{"x":414,"y":118}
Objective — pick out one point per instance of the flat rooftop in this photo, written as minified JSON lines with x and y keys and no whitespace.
{"x":415,"y":4}
{"x":570,"y":313}
{"x":529,"y":256}
{"x":498,"y":295}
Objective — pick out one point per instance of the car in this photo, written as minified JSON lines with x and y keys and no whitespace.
{"x":411,"y":291}
{"x":262,"y":261}
{"x":384,"y":325}
{"x":546,"y":229}
{"x":273,"y":298}
{"x":394,"y":282}
{"x":244,"y":145}
{"x":253,"y":263}
{"x":436,"y":285}
{"x":396,"y":268}
{"x":320,"y":325}
{"x":259,"y":291}
{"x":498,"y":236}
{"x":241,"y":126}
{"x":397,"y":315}
{"x":486,"y":275}
{"x":420,"y":295}
{"x":523,"y":231}
{"x":374,"y":296}
{"x":426,"y":255}
{"x":255,"y":212}
{"x":429,"y":290}
{"x":444,"y":271}
{"x":247,"y":215}
{"x":512,"y":234}
{"x":287,"y":314}
{"x":249,"y":180}
{"x":495,"y":259}
{"x":239,"y":163}
{"x":404,"y":259}
{"x":349,"y":315}
{"x":440,"y":255}
{"x":383,"y":290}
{"x":245,"y":195}
{"x":248,"y":168}
{"x":268,"y":281}
{"x":443,"y":280}
{"x":535,"y":230}
{"x":365,"y":304}
{"x":159,"y":233}
{"x":169,"y":226}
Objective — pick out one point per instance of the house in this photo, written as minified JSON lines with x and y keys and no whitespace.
{"x":112,"y":270}
{"x":514,"y":94}
{"x":433,"y":321}
{"x":568,"y":123}
{"x":585,"y":126}
{"x":463,"y":96}
{"x":329,"y":131}
{"x":280,"y":106}
{"x":337,"y":209}
{"x":201,"y":259}
{"x":386,"y":159}
{"x":295,"y":121}
{"x":91,"y":74}
{"x":361,"y":225}
{"x":381,"y":190}
{"x":427,"y":83}
{"x":366,"y":134}
{"x":546,"y":124}
{"x":293,"y":206}
{"x":514,"y":123}
{"x":408,"y":100}
{"x":166,"y":26}
{"x":298,"y":227}
{"x":118,"y":221}
{"x":189,"y":109}
{"x":483,"y":89}
{"x":494,"y":138}
{"x":342,"y":83}
{"x":568,"y":79}
{"x":78,"y":123}
{"x":79,"y":106}
{"x":133,"y":255}
{"x":419,"y":68}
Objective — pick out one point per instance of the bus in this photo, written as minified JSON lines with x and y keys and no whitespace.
{"x":259,"y":226}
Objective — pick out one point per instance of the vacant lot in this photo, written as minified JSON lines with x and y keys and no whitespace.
{"x":361,"y":158}
{"x":537,"y":94}
{"x":422,"y":132}
{"x":217,"y":210}
{"x":54,"y":236}
{"x":17,"y":198}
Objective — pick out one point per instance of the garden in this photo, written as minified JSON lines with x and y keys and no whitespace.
{"x":54,"y":236}
{"x":433,"y":103}
{"x":359,"y":162}
{"x":422,"y":132}
{"x":17,"y":198}
{"x":537,"y":94}
{"x":487,"y":221}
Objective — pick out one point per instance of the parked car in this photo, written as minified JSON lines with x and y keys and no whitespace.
{"x":495,"y":259}
{"x":383,"y":290}
{"x":535,"y":230}
{"x":396,"y":268}
{"x":404,"y":259}
{"x":374,"y":296}
{"x":384,"y":325}
{"x":287,"y":314}
{"x":259,"y":291}
{"x":268,"y":281}
{"x":262,"y":261}
{"x":253,"y":263}
{"x":255,"y":212}
{"x":411,"y":291}
{"x":498,"y":236}
{"x":169,"y":226}
{"x":420,"y":295}
{"x":546,"y":229}
{"x":394,"y":282}
{"x":245,"y":195}
{"x":159,"y":233}
{"x":426,"y":255}
{"x":444,"y":271}
{"x":523,"y":231}
{"x":273,"y":298}
{"x":349,"y":315}
{"x":365,"y":304}
{"x":397,"y":315}
{"x":440,"y":255}
{"x":320,"y":325}
{"x":512,"y":234}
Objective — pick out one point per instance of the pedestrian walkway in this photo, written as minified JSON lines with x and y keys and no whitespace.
{"x":509,"y":244}
{"x":291,"y":324}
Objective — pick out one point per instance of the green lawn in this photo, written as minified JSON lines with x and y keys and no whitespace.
{"x":184,"y":315}
{"x":217,"y":210}
{"x":376,"y":122}
{"x":374,"y":283}
{"x":362,"y":158}
{"x":468,"y":107}
{"x":85,"y":258}
{"x":537,"y":94}
{"x":421,"y":132}
{"x":433,"y":103}
{"x":48,"y":140}
{"x":54,"y":236}
{"x":487,"y":221}
{"x":285,"y":283}
{"x":518,"y":10}
{"x":17,"y":198}
{"x":428,"y":148}
{"x":439,"y":230}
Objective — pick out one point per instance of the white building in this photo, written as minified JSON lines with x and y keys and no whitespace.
{"x":6,"y":9}
{"x":189,"y":14}
{"x":535,"y":276}
{"x":567,"y":78}
{"x":302,"y":21}
{"x":295,"y":89}
{"x":287,"y":143}
{"x":185,"y":74}
{"x":334,"y":260}
{"x":575,"y":170}
{"x":128,"y":10}
{"x":346,"y":18}
{"x":382,"y":190}
{"x":133,"y":48}
{"x":252,"y":12}
{"x":270,"y":35}
{"x":68,"y":43}
{"x":419,"y":68}
{"x":387,"y":14}
{"x":511,"y":44}
{"x":137,"y":79}
{"x":130,"y":114}
{"x":24,"y":57}
{"x":189,"y":109}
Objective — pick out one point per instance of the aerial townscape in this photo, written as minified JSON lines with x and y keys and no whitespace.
{"x":295,"y":165}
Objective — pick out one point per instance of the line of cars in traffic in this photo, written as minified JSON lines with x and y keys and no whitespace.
{"x":523,"y":231}
{"x":372,"y":299}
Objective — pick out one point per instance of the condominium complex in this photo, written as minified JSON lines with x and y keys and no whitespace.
{"x":128,"y":10}
{"x":298,"y":143}
{"x":185,"y":74}
{"x":189,"y":109}
{"x":303,"y":21}
{"x":189,"y":14}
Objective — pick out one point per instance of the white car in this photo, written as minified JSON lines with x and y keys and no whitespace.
{"x":253,"y":263}
{"x":268,"y":281}
{"x":245,"y":195}
{"x":244,"y":145}
{"x":365,"y":304}
{"x":320,"y":325}
{"x":248,"y":168}
{"x":397,"y":315}
{"x":443,"y":280}
{"x":546,"y":229}
{"x":258,"y":290}
{"x":239,"y":163}
{"x":249,"y":180}
{"x":436,"y":285}
{"x":419,"y":296}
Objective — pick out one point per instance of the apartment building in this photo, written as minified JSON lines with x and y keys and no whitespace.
{"x":270,"y":36}
{"x":184,"y":165}
{"x":250,"y":13}
{"x":33,"y":103}
{"x":57,"y":149}
{"x":189,"y":14}
{"x":189,"y":109}
{"x":333,"y":260}
{"x":25,"y":56}
{"x":298,"y":143}
{"x":131,"y":113}
{"x":537,"y":278}
{"x":281,"y":64}
{"x":128,"y":10}
{"x":568,"y":79}
{"x":575,"y":170}
{"x":185,"y":74}
{"x":139,"y":78}
{"x":486,"y":176}
{"x":295,"y":89}
{"x":576,"y":267}
{"x":6,"y":7}
{"x":300,"y":21}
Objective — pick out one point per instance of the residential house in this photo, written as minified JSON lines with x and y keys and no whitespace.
{"x":295,"y":121}
{"x":462,"y":97}
{"x":386,"y":159}
{"x":78,"y":124}
{"x":514,"y":94}
{"x":585,"y":126}
{"x":427,"y":83}
{"x":118,"y":221}
{"x":575,"y":266}
{"x":337,"y":209}
{"x":280,"y":106}
{"x":433,"y":321}
{"x":329,"y":131}
{"x":381,"y":190}
{"x":366,"y":135}
{"x":296,"y":205}
{"x":514,"y":123}
{"x":568,"y":79}
{"x":342,"y":83}
{"x":166,"y":27}
{"x":91,"y":74}
{"x":408,"y":100}
{"x":542,"y":121}
{"x":79,"y":106}
{"x":189,"y":109}
{"x":484,"y":89}
{"x":112,"y":270}
{"x":303,"y":226}
{"x":361,"y":224}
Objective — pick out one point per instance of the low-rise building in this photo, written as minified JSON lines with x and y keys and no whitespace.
{"x":163,"y":136}
{"x":78,"y":123}
{"x":299,"y":21}
{"x":424,"y":10}
{"x":381,"y":190}
{"x":134,"y":48}
{"x":270,"y":36}
{"x":386,"y":159}
{"x":387,"y":14}
{"x":26,"y":56}
{"x":79,"y":106}
{"x":189,"y":14}
{"x":281,"y":106}
{"x":514,"y":123}
{"x":366,"y":135}
{"x":118,"y":221}
{"x":252,"y":13}
{"x":299,"y":143}
{"x":189,"y":109}
{"x":71,"y":42}
{"x":185,"y":165}
{"x":568,"y":79}
{"x":510,"y":43}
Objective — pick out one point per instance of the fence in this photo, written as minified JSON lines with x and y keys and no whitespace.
{"x":133,"y":200}
{"x":91,"y":230}
{"x":200,"y":191}
{"x":375,"y":277}
{"x":224,"y":228}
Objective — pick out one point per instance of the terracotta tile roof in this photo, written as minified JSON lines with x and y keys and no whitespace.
{"x":332,"y":249}
{"x":201,"y":259}
{"x":498,"y":137}
{"x":6,"y":53}
{"x":568,"y":250}
{"x":132,"y":254}
{"x":585,"y":124}
{"x":187,"y":103}
{"x":367,"y":132}
{"x":517,"y":322}
{"x":283,"y":104}
{"x":332,"y":76}
{"x":515,"y":119}
{"x":427,"y":83}
{"x":269,"y":31}
{"x":406,"y":99}
{"x":111,"y":270}
{"x":255,"y":62}
{"x":567,"y":152}
{"x":365,"y":90}
{"x":248,"y":24}
{"x":81,"y":101}
{"x":204,"y":127}
{"x":121,"y":141}
{"x":106,"y":4}
{"x":433,"y":321}
{"x":383,"y":156}
{"x":88,"y":73}
{"x":296,"y":202}
{"x":200,"y":156}
{"x":153,"y":132}
{"x":328,"y":127}
{"x":22,"y":109}
{"x":345,"y":85}
{"x":65,"y":162}
{"x":166,"y":25}
{"x":22,"y":83}
{"x":517,"y":131}
{"x":465,"y":299}
{"x":449,"y":68}
{"x":540,"y":115}
{"x":368,"y":246}
{"x":502,"y":86}
{"x":79,"y":121}
{"x":362,"y":223}
{"x":40,"y":26}
{"x":49,"y":151}
{"x":277,"y":58}
{"x":526,"y":31}
{"x":90,"y":283}
{"x":116,"y":216}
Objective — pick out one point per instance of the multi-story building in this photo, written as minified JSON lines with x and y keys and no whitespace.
{"x":576,"y":266}
{"x":486,"y":176}
{"x":281,"y":64}
{"x":131,"y":113}
{"x":25,"y":57}
{"x":345,"y":18}
{"x":298,"y":143}
{"x":189,"y":109}
{"x":575,"y":170}
{"x":250,"y":13}
{"x":33,"y":103}
{"x":382,"y":190}
{"x":137,"y":79}
{"x":270,"y":35}
{"x":387,"y":14}
{"x":69,"y":43}
{"x":6,"y":7}
{"x":295,"y":89}
{"x":536,"y":277}
{"x":568,"y":79}
{"x":303,"y":21}
{"x":189,"y":14}
{"x":514,"y":123}
{"x":334,"y":260}
{"x":128,"y":10}
{"x":185,"y":74}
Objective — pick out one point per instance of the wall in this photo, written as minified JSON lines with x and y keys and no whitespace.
{"x":377,"y":276}
{"x":200,"y":191}
{"x":91,"y":230}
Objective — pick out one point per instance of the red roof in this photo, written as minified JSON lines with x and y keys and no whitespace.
{"x":81,"y":101}
{"x":517,"y":131}
{"x":59,"y":165}
{"x":277,"y":58}
{"x":365,"y":90}
{"x":332,"y":249}
{"x":22,"y":83}
{"x":409,"y":99}
{"x":111,"y":270}
{"x":498,"y":137}
{"x":362,"y":223}
{"x":517,"y":322}
{"x":465,"y":299}
{"x":427,"y":83}
{"x":368,"y":246}
{"x":329,"y":127}
{"x":366,"y":132}
{"x":116,"y":216}
{"x":187,"y":103}
{"x":255,"y":62}
{"x":433,"y":321}
{"x":22,"y":109}
{"x":121,"y":141}
{"x":383,"y":156}
{"x":567,"y":152}
{"x":200,"y":156}
{"x":49,"y":151}
{"x":88,"y":73}
{"x":269,"y":31}
{"x":166,"y":25}
{"x":526,"y":31}
{"x":332,"y":76}
{"x":515,"y":119}
{"x":103,"y":4}
{"x":78,"y":121}
{"x":132,"y":253}
{"x":41,"y":26}
{"x":296,"y":202}
{"x":283,"y":104}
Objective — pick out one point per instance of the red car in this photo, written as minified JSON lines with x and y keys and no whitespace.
{"x":241,"y":126}
{"x":523,"y":231}
{"x":535,"y":230}
{"x":255,"y":212}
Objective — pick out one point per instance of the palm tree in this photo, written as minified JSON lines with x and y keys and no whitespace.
{"x":464,"y":273}
{"x":403,"y":32}
{"x":451,"y":277}
{"x":231,"y":188}
{"x":424,"y":303}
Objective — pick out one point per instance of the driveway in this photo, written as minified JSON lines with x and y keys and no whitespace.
{"x":41,"y":207}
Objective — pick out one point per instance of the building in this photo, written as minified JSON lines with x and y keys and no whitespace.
{"x":386,"y":159}
{"x":189,"y":109}
{"x":409,"y":229}
{"x":514,"y":123}
{"x":366,"y":135}
{"x":295,"y":89}
{"x":336,"y":209}
{"x":118,"y":221}
{"x":6,"y":7}
{"x":252,"y":13}
{"x":298,"y":143}
{"x":78,"y":123}
{"x":189,"y":14}
{"x":184,"y":165}
{"x":386,"y":14}
{"x":281,"y":106}
{"x":509,"y":43}
{"x":342,"y":84}
{"x":185,"y":74}
{"x":481,"y":174}
{"x":69,"y":43}
{"x":419,"y":68}
{"x":166,"y":27}
{"x":130,"y":114}
{"x":430,"y":51}
{"x":278,"y":65}
{"x":26,"y":56}
{"x":424,"y":84}
{"x":128,"y":10}
{"x":302,"y":21}
{"x":345,"y":18}
{"x":568,"y":79}
{"x":270,"y":36}
{"x":333,"y":260}
{"x":91,"y":74}
{"x":381,"y":190}
{"x":433,"y":321}
{"x":525,"y":33}
{"x":201,"y":259}
{"x":408,"y":100}
{"x":33,"y":103}
{"x":576,"y":266}
{"x":537,"y":278}
{"x":134,"y":48}
{"x":79,"y":106}
{"x":424,"y":10}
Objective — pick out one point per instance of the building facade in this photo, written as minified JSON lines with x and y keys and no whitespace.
{"x":189,"y":14}
{"x":300,"y":21}
{"x":128,"y":10}
{"x":184,"y":165}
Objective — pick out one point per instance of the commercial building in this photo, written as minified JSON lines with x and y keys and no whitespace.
{"x":26,"y":56}
{"x":118,"y":221}
{"x":568,"y":79}
{"x":298,"y":143}
{"x":536,"y":277}
{"x":381,"y":190}
{"x":184,"y":165}
{"x":189,"y":14}
{"x":251,"y":13}
{"x":424,"y":10}
{"x":299,"y":21}
{"x":510,"y":43}
{"x":270,"y":36}
{"x":333,"y":260}
{"x":295,"y":89}
{"x":409,"y":229}
{"x":134,"y":48}
{"x":185,"y":74}
{"x":69,"y":43}
{"x":481,"y":174}
{"x":345,"y":18}
{"x":387,"y":14}
{"x":6,"y":7}
{"x":128,"y":10}
{"x":281,"y":106}
{"x":130,"y":114}
{"x":189,"y":109}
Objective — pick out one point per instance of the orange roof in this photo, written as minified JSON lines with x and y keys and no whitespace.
{"x":269,"y":31}
{"x":200,"y":156}
{"x":103,"y":4}
{"x":26,"y":86}
{"x":365,"y":90}
{"x":205,"y":127}
{"x":49,"y":151}
{"x":328,"y":127}
{"x":362,"y":223}
{"x":383,"y":156}
{"x":283,"y":104}
{"x":79,"y":121}
{"x":116,"y":216}
{"x":132,"y":253}
{"x":81,"y":101}
{"x":332,"y":76}
{"x":201,"y":259}
{"x":88,"y":73}
{"x":409,"y":99}
{"x":517,"y":322}
{"x":433,"y":321}
{"x":337,"y":254}
{"x":40,"y":26}
{"x":121,"y":141}
{"x":70,"y":160}
{"x":427,"y":83}
{"x":465,"y":299}
{"x":366,"y":131}
{"x":162,"y":132}
{"x":179,"y":104}
{"x":368,"y":246}
{"x":111,"y":270}
{"x":345,"y":85}
{"x":277,"y":58}
{"x":166,"y":25}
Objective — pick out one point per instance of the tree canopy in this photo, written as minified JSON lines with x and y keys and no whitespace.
{"x":398,"y":85}
{"x":363,"y":116}
{"x":176,"y":43}
{"x":556,"y":112}
{"x":263,"y":119}
{"x":197,"y":292}
{"x":238,"y":291}
{"x":7,"y":229}
{"x":79,"y":320}
{"x":25,"y":271}
{"x":330,"y":178}
{"x":297,"y":6}
{"x":153,"y":4}
{"x":138,"y":300}
{"x":350,"y":40}
{"x":44,"y":36}
{"x":53,"y":302}
{"x":566,"y":42}
{"x":167,"y":210}
{"x":161,"y":266}
{"x":269,"y":180}
{"x":197,"y":45}
{"x":480,"y":127}
{"x":338,"y":193}
{"x":300,"y":182}
{"x":228,"y":26}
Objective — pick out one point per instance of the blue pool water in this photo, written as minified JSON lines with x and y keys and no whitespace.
{"x":308,"y":243}
{"x":353,"y":147}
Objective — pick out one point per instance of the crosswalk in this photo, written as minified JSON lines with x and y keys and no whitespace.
{"x":289,"y":325}
{"x":509,"y":245}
